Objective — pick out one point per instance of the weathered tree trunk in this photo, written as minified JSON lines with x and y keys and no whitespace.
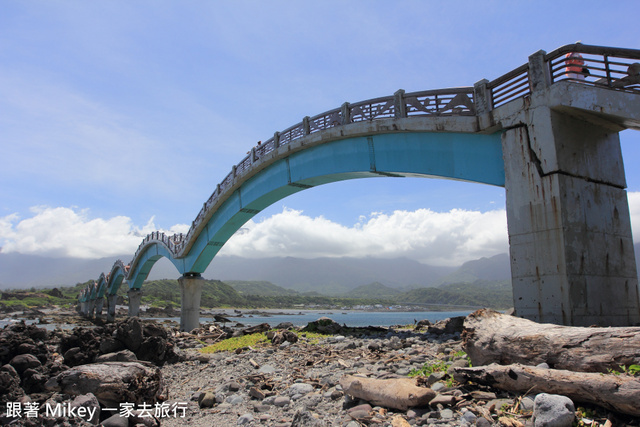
{"x":492,"y":337}
{"x":397,"y":393}
{"x":620,"y":393}
{"x":111,"y":382}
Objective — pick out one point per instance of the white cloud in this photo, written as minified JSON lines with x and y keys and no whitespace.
{"x":440,"y":238}
{"x":447,"y":238}
{"x":68,"y":232}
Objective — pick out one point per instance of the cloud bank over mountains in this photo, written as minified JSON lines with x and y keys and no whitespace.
{"x":437,"y":238}
{"x":70,"y":232}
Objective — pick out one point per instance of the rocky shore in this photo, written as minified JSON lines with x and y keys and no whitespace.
{"x":138,"y":372}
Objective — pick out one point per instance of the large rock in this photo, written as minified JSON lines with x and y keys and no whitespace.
{"x":120,"y":356}
{"x":33,"y":381}
{"x":80,"y":346}
{"x":323,"y":325}
{"x":23,"y":339}
{"x":112,"y":382}
{"x":130,"y":333}
{"x":92,"y":412}
{"x":110,"y":345}
{"x":153,"y":349}
{"x":447,"y":326}
{"x":76,"y":356}
{"x":154,"y":330}
{"x":22,"y":362}
{"x":279,"y":337}
{"x":553,"y":410}
{"x":148,"y":341}
{"x":10,"y":389}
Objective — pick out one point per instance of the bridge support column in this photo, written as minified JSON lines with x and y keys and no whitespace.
{"x":111,"y":307}
{"x":99,"y":305}
{"x":91,"y":308}
{"x":190,"y":293}
{"x":572,"y":256}
{"x":135,"y":296}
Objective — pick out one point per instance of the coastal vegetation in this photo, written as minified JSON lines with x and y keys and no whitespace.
{"x":261,"y":294}
{"x":234,"y":343}
{"x":31,"y":298}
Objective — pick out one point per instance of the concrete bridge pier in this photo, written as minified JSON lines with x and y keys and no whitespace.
{"x":190,"y":293}
{"x":135,"y":297}
{"x":572,"y":255}
{"x":99,"y":306}
{"x":111,"y":307}
{"x":87,"y":308}
{"x":91,"y":308}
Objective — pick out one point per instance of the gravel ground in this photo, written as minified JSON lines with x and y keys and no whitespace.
{"x":274,"y":385}
{"x":294,"y":380}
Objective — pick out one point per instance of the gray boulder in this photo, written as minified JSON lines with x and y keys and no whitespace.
{"x":90,"y":405}
{"x":553,"y":410}
{"x":323,"y":325}
{"x":120,"y":356}
{"x":22,"y":362}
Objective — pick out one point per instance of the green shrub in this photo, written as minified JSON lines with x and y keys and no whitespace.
{"x":429,"y":368}
{"x":232,"y":344}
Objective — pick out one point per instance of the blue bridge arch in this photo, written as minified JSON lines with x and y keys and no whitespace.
{"x":459,"y":156}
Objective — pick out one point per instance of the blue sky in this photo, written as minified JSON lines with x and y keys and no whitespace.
{"x":118,"y":118}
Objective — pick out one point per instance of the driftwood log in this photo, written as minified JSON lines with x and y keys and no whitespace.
{"x":620,"y":393}
{"x":397,"y":393}
{"x":111,"y":382}
{"x":492,"y":337}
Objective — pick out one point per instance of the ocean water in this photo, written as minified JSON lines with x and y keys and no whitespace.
{"x":353,"y":318}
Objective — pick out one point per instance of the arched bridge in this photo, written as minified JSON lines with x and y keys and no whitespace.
{"x":546,"y":131}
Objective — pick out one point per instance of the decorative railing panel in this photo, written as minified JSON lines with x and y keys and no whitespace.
{"x":379,"y":108}
{"x":292,"y":133}
{"x":458,"y":102}
{"x":326,"y":120}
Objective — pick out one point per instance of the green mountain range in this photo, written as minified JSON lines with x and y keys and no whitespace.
{"x":373,"y":290}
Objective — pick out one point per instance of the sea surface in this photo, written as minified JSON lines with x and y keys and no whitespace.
{"x":352,"y":318}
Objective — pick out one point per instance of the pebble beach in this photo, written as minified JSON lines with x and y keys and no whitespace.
{"x":293,"y":377}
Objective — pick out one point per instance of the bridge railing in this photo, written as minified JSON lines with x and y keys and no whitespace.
{"x":607,"y":67}
{"x":611,"y":67}
{"x":440,"y":102}
{"x":513,"y":85}
{"x":616,"y":68}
